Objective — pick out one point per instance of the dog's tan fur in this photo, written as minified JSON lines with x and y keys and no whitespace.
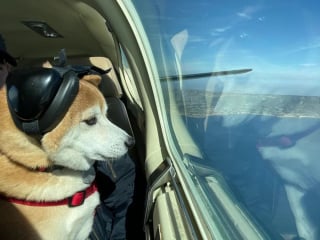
{"x":21,"y":155}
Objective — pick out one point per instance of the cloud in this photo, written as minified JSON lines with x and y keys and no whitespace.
{"x":308,"y":47}
{"x":243,"y":35}
{"x":248,"y":12}
{"x":312,"y":46}
{"x":244,"y":15}
{"x":309,"y":64}
{"x":195,"y":39}
{"x":216,"y":42}
{"x":219,"y":31}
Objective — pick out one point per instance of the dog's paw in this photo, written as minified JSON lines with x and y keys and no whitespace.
{"x":66,"y":183}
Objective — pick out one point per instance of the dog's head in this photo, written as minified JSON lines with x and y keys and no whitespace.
{"x":83,"y":133}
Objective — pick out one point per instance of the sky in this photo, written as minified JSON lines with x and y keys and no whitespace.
{"x":278,"y":40}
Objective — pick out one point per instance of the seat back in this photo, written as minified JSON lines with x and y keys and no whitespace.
{"x":111,"y":89}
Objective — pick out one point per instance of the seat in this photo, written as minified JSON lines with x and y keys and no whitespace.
{"x":111,"y":89}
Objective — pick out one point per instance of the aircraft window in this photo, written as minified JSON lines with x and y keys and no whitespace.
{"x":244,"y":80}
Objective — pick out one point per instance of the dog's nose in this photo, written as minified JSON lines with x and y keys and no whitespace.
{"x":129,"y":142}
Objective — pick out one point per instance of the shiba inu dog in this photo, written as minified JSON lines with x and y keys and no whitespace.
{"x":46,"y":180}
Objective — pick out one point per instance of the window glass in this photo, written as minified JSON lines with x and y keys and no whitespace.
{"x":247,"y":91}
{"x":130,"y":87}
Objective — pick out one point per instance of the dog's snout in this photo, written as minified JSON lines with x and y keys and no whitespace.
{"x":129,"y":142}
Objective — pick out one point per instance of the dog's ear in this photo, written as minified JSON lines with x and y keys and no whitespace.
{"x":93,"y":79}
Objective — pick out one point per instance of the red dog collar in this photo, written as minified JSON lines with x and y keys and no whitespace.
{"x":75,"y":200}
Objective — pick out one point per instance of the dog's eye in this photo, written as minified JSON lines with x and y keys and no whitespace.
{"x":91,"y":121}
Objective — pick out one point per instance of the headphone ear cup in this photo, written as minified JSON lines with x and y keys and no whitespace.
{"x":39,"y":98}
{"x":67,"y":92}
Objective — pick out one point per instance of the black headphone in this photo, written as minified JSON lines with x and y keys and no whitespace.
{"x":38,"y":98}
